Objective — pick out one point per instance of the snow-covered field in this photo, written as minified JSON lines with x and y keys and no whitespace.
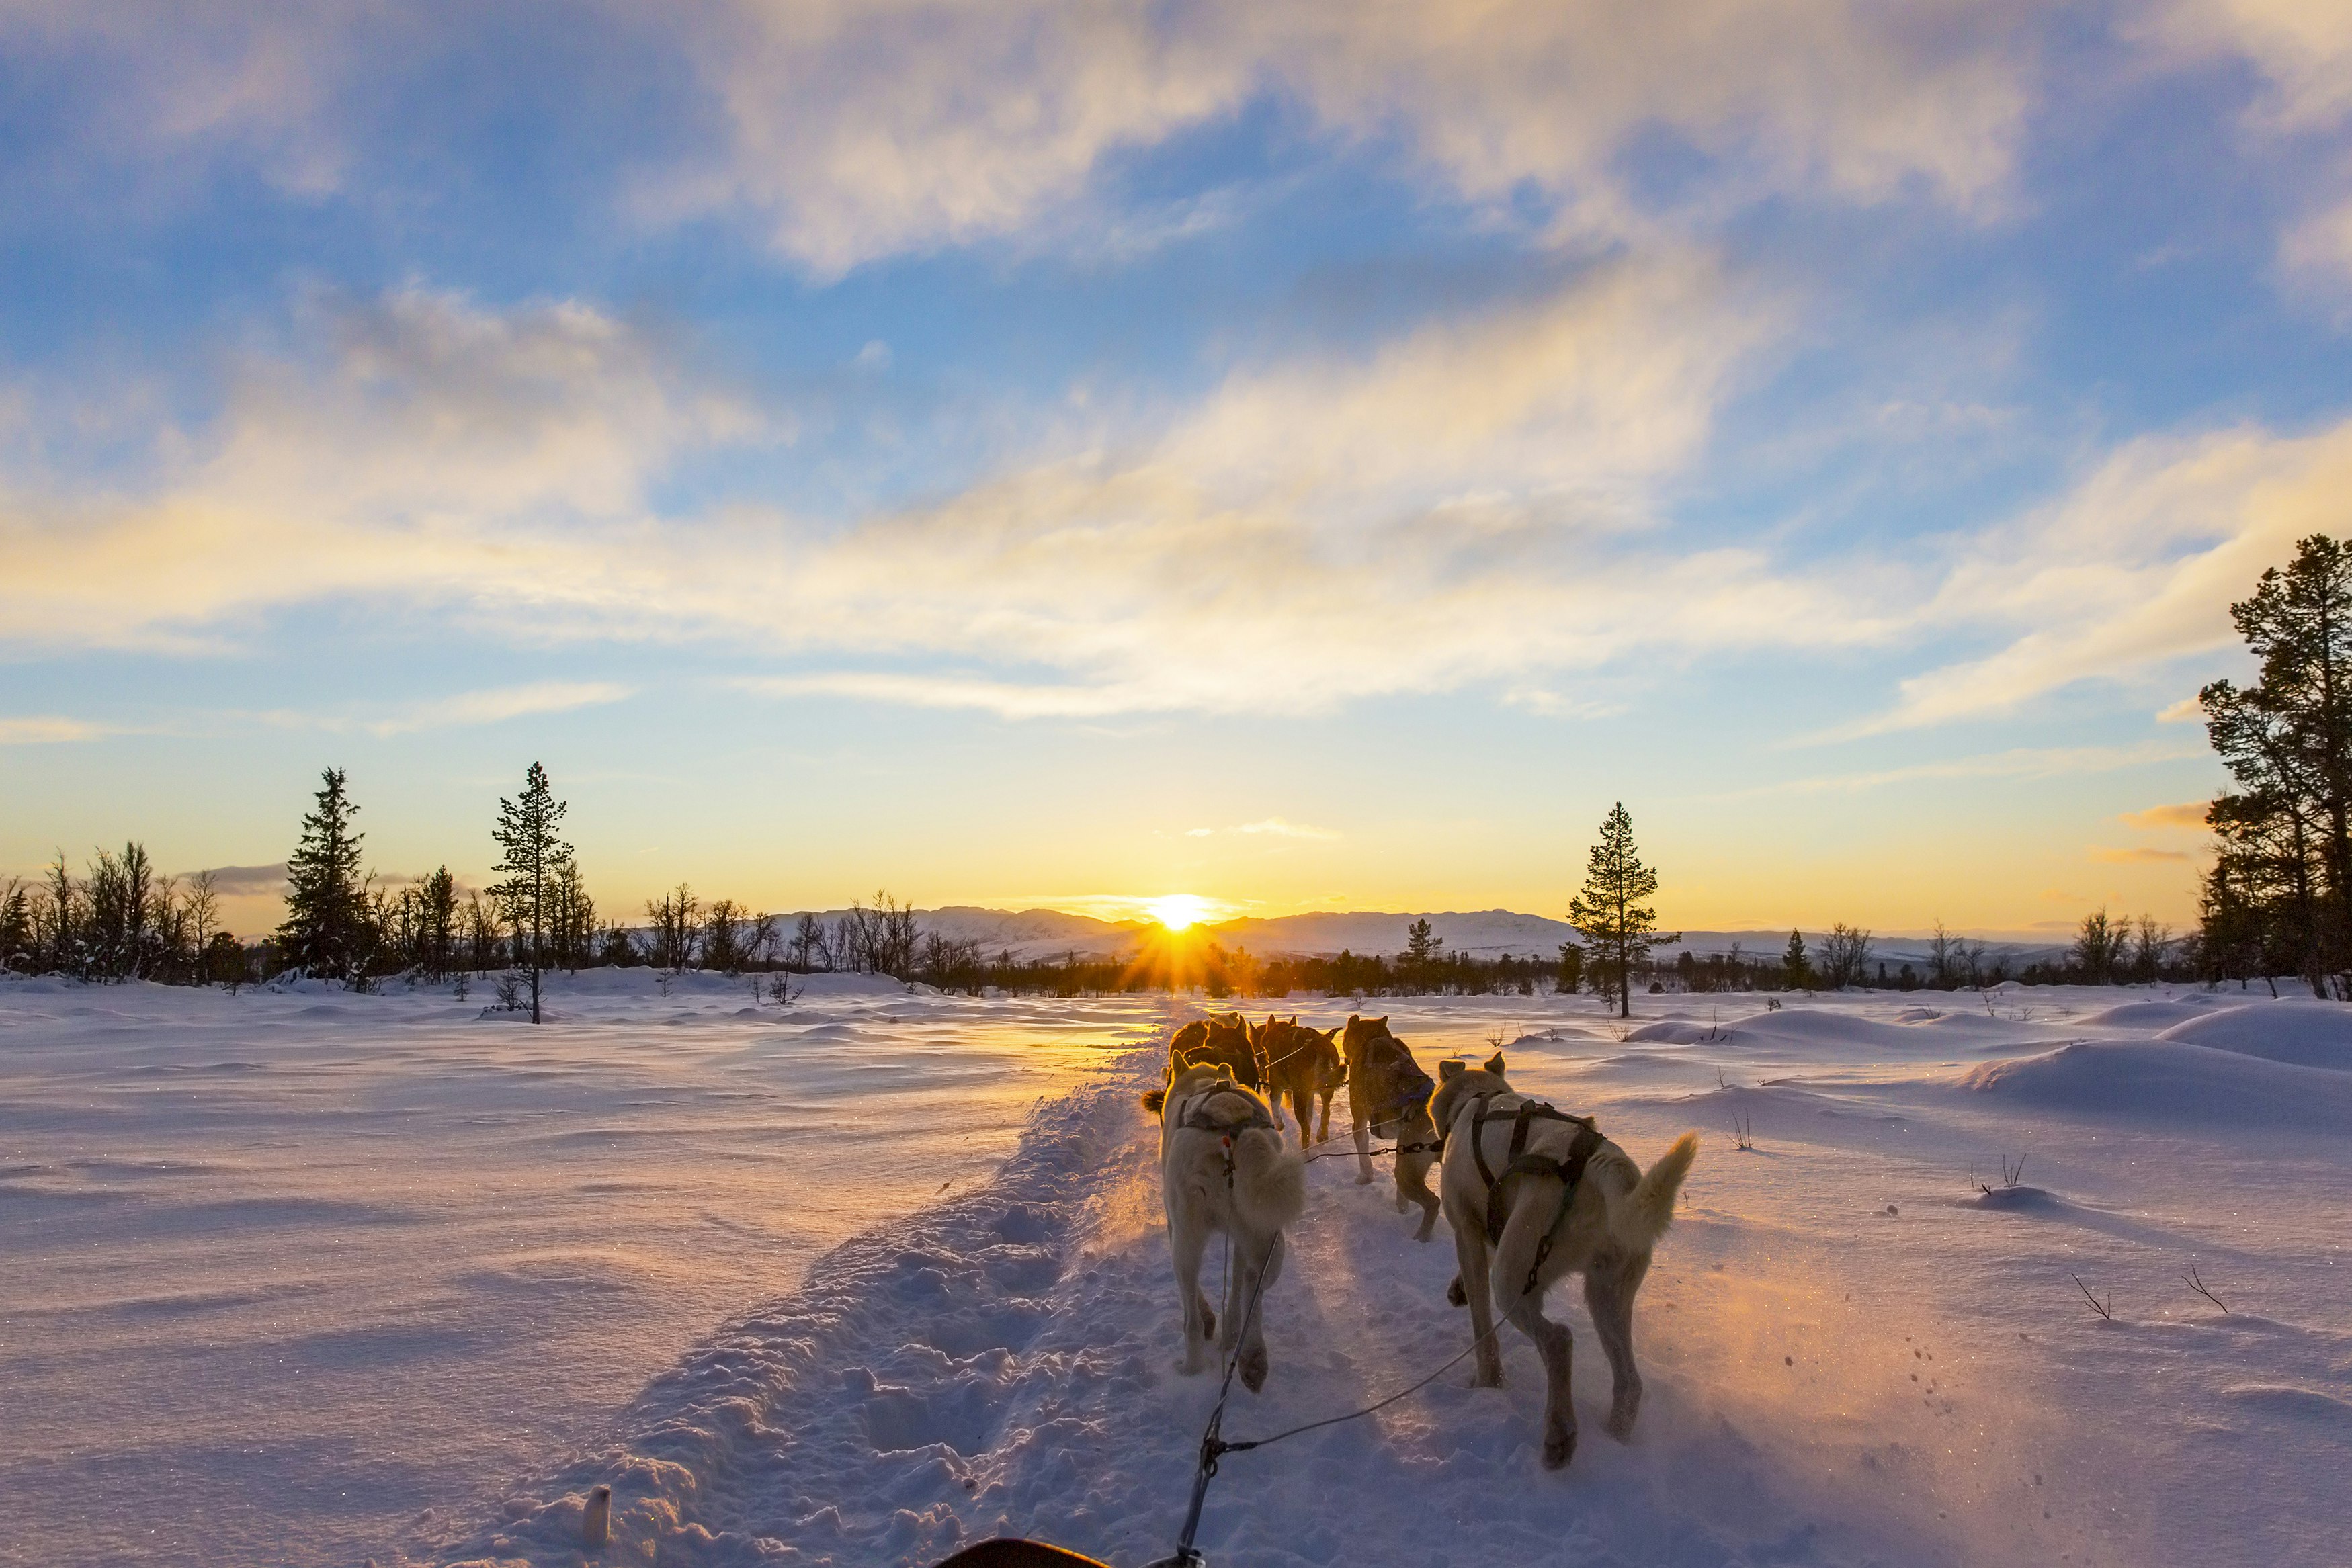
{"x":312,"y":1279}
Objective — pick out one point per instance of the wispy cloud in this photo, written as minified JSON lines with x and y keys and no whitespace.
{"x":1006,"y":700}
{"x":860,"y":132}
{"x":2185,"y":814}
{"x":2023,"y":762}
{"x":50,"y":731}
{"x":498,"y":704}
{"x":2139,"y":856}
{"x":1269,"y":827}
{"x":2133,"y":569}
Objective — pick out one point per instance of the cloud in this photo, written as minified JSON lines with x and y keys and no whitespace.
{"x":50,"y":731}
{"x":245,"y":881}
{"x":859,"y":131}
{"x":2137,"y":856}
{"x":1473,"y":501}
{"x":2185,"y":814}
{"x":2133,"y":569}
{"x":2023,"y":762}
{"x":1269,"y":827}
{"x":409,"y":446}
{"x":2301,"y":49}
{"x":2187,"y":710}
{"x":1006,"y":700}
{"x":496,"y":706}
{"x":2317,"y":246}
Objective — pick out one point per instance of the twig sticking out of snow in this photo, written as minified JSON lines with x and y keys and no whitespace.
{"x":2106,"y":1309}
{"x":1743,"y":1130}
{"x":2197,"y":1284}
{"x":2011,"y":1173}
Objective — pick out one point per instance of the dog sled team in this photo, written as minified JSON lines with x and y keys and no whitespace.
{"x":1532,"y":1193}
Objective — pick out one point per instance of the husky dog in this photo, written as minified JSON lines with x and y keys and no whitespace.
{"x":1551,"y":1196}
{"x":1223,"y":1167}
{"x":1302,"y":1064}
{"x":1225,"y":1041}
{"x":1388,"y":1097}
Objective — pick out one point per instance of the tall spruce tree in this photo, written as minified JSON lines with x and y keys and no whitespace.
{"x":326,"y":896}
{"x":1795,"y":967}
{"x":537,"y":865}
{"x":2285,"y":858}
{"x":1618,"y":927}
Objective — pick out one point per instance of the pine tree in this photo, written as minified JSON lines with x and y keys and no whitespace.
{"x":2286,"y":835}
{"x":1610,"y":912}
{"x":535,"y":863}
{"x":1421,"y":947}
{"x":326,"y":897}
{"x":1795,"y":968}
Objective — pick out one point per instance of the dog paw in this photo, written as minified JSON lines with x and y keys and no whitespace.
{"x":1559,"y":1448}
{"x":1252,"y":1369}
{"x":1365,"y":1179}
{"x":1619,"y":1424}
{"x":1454,"y":1294}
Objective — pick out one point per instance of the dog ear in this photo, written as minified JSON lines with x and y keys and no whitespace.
{"x":1332,"y":1033}
{"x":1495,"y":1064}
{"x":1382,"y":1023}
{"x":1451,"y":1070}
{"x":1353,"y":1020}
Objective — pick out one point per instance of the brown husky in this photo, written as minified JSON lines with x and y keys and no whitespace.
{"x":1224,"y":1039}
{"x":1551,"y":1196}
{"x":1302,"y":1064}
{"x":1388,"y":1097}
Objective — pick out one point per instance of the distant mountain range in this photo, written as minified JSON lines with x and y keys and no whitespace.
{"x":1487,"y":933}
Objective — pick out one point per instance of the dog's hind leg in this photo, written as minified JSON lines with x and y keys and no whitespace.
{"x":1260,"y":1266}
{"x":1323,"y":1131}
{"x":1363,"y":1141}
{"x":1302,"y":1104}
{"x":1185,"y":1244}
{"x":1608,"y":1287}
{"x":1412,"y":1182}
{"x":1523,"y":1308}
{"x":1470,"y":1252}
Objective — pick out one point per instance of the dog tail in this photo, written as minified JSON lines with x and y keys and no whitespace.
{"x":1153,"y":1100}
{"x":1269,"y":1179}
{"x":1649,"y":1208}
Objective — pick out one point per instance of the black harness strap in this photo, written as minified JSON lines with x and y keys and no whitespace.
{"x":1567,"y":1171}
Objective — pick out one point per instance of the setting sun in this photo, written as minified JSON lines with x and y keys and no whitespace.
{"x":1178,"y":911}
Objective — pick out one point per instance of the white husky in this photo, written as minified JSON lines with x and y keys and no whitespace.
{"x":1223,"y":1167}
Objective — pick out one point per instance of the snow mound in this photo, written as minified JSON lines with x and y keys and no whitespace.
{"x":2307,"y":1034}
{"x":2171,"y":1081}
{"x":2147,"y":1016}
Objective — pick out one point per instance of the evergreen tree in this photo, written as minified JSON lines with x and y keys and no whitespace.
{"x":1421,"y":948}
{"x":1797,"y":969}
{"x":325,"y":931}
{"x":536,"y":864}
{"x":2285,"y":835}
{"x":1571,"y":969}
{"x":1610,"y":911}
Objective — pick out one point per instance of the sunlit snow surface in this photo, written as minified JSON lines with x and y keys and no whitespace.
{"x":315,"y":1279}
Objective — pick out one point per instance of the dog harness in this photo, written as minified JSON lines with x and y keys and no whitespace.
{"x":1197,"y":1118}
{"x":1567,"y":1171}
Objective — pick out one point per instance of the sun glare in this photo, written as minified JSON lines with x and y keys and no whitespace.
{"x":1178,"y":911}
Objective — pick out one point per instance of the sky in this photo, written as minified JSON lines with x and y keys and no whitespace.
{"x":1063,"y":453}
